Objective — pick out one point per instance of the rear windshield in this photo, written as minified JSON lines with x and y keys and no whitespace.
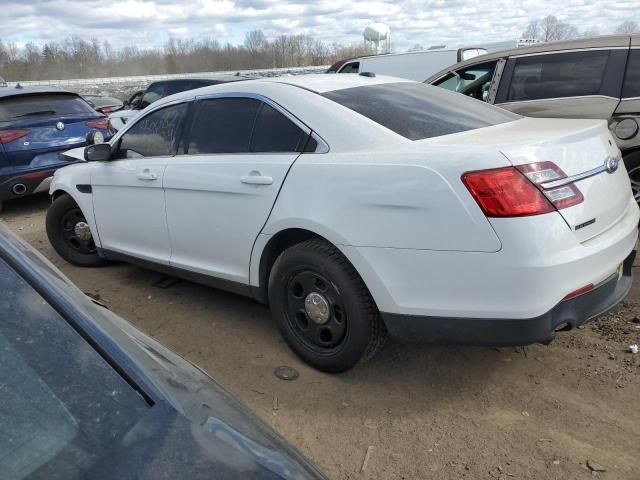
{"x":417,"y":111}
{"x":42,"y":104}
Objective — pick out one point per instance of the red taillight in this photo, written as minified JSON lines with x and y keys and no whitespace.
{"x":7,"y":136}
{"x":520,"y":191}
{"x":101,"y":123}
{"x":544,"y":172}
{"x":505,"y":192}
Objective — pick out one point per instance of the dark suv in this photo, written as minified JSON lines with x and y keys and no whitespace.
{"x":589,"y":78}
{"x":160,"y":89}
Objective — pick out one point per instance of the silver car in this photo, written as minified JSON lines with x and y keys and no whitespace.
{"x":588,"y":78}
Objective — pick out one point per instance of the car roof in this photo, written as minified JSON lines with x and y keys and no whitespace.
{"x":605,"y":41}
{"x":13,"y":91}
{"x":322,"y":82}
{"x":203,"y":80}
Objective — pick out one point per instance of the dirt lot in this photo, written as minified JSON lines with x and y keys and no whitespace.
{"x":421,"y":411}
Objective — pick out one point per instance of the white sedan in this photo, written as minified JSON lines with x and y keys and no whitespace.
{"x":357,"y":206}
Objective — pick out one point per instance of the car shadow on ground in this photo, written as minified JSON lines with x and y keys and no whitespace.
{"x":25,"y":206}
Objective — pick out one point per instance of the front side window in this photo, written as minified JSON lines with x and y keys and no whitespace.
{"x":353,"y":67}
{"x":558,"y":75}
{"x":417,"y":111}
{"x":631,"y":88}
{"x":155,"y":135}
{"x":471,"y":81}
{"x":242,"y":125}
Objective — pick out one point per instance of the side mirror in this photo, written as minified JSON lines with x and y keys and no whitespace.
{"x":94,"y":137}
{"x":100,"y":152}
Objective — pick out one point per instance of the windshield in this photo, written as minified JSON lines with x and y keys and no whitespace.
{"x":61,"y":404}
{"x":417,"y":111}
{"x":42,"y":104}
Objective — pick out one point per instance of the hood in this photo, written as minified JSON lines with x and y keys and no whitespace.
{"x":194,"y":428}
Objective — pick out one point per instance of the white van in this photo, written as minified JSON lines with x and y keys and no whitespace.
{"x":411,"y":65}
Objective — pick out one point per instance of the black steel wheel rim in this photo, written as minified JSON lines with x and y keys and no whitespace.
{"x":324,"y":338}
{"x":69,"y":221}
{"x":634,"y":177}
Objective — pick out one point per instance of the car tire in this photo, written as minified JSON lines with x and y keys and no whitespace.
{"x":323,"y":308}
{"x":67,"y":231}
{"x":632,"y":164}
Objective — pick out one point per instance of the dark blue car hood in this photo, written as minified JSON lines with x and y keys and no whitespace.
{"x":194,"y":428}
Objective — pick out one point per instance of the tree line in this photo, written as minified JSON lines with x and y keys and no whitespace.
{"x":550,"y":29}
{"x":78,"y":58}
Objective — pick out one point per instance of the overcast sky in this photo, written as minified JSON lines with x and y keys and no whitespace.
{"x":147,"y":23}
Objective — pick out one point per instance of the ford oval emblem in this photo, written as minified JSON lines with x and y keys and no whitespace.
{"x":611,"y":164}
{"x":60,"y":126}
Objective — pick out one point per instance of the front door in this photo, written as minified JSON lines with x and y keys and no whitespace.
{"x":128,"y":198}
{"x":220,"y":194}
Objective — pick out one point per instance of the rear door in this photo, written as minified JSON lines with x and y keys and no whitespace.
{"x":219,"y":195}
{"x":575,"y":84}
{"x":128,"y":199}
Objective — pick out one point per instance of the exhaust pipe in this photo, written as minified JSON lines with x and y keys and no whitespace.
{"x":19,"y":189}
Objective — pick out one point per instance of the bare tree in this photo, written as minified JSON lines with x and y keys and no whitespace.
{"x":532,"y":30}
{"x":255,"y":41}
{"x":78,"y":58}
{"x":591,"y":32}
{"x":550,"y":29}
{"x":628,"y":27}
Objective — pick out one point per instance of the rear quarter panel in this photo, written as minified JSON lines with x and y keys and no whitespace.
{"x":412,"y":200}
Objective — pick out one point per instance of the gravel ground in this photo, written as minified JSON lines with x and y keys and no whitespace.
{"x":415,"y":411}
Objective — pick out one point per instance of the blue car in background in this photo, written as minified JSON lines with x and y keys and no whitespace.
{"x":36,"y":125}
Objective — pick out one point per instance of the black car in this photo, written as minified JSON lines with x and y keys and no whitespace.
{"x":86,"y":395}
{"x":163,"y":88}
{"x":104,"y":104}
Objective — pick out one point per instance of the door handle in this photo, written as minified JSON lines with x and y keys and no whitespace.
{"x":146,"y":174}
{"x":257,"y":180}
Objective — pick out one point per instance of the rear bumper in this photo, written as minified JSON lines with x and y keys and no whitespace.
{"x":26,"y":182}
{"x":567,"y":314}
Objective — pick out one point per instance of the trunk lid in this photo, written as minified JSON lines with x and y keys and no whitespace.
{"x":580,"y":147}
{"x":50,"y":132}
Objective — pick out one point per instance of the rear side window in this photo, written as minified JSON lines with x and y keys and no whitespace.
{"x":631,"y":86}
{"x":417,"y":111}
{"x":154,"y":135}
{"x":242,"y":125}
{"x":42,"y":105}
{"x":558,"y":75}
{"x":274,"y":132}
